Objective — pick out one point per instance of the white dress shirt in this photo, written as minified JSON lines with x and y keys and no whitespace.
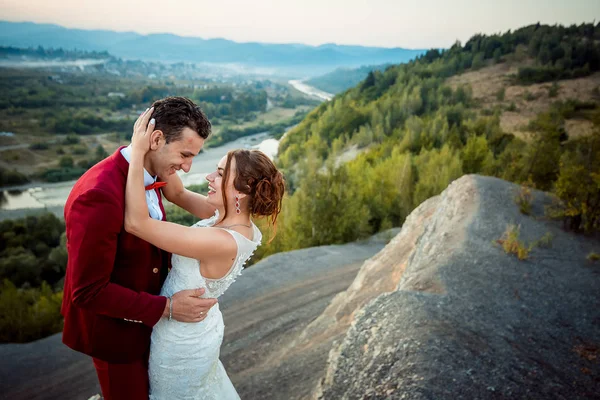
{"x":151,"y":197}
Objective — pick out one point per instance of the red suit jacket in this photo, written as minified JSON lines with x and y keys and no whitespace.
{"x":113,"y":278}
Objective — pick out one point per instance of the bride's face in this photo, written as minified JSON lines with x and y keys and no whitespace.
{"x":215,"y":183}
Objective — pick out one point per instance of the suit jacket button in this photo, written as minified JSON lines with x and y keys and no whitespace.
{"x":155,"y":270}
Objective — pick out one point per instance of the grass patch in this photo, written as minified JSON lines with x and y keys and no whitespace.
{"x":528,"y":96}
{"x":593,"y":257}
{"x":545,"y":241}
{"x":524,"y":198}
{"x":553,"y":90}
{"x":500,"y":94}
{"x":512,"y":245}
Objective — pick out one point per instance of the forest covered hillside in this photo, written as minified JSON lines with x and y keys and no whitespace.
{"x":521,"y":106}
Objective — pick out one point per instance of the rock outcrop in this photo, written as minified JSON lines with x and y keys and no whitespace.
{"x":444,"y":313}
{"x":379,"y":274}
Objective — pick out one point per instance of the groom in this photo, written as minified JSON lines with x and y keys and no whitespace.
{"x":113,"y":278}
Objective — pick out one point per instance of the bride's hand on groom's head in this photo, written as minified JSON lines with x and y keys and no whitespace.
{"x":142,"y":131}
{"x":189,"y":307}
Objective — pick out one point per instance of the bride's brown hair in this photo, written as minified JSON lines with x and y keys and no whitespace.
{"x":257,"y":177}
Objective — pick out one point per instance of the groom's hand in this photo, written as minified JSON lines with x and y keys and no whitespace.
{"x":189,"y":307}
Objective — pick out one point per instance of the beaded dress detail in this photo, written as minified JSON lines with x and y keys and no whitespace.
{"x":184,"y":357}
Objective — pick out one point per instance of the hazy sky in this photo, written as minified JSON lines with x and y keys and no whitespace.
{"x":388,"y":23}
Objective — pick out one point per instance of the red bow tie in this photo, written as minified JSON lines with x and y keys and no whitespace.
{"x":156,"y":185}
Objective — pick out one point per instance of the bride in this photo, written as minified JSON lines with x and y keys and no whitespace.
{"x":184,"y":357}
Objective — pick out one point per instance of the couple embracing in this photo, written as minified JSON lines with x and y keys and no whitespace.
{"x":141,"y":293}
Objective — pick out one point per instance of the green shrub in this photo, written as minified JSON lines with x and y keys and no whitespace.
{"x":529,"y":75}
{"x":71,"y":139}
{"x":529,"y":96}
{"x":553,"y":90}
{"x":578,"y":186}
{"x":66,"y":162}
{"x":39,"y":146}
{"x":28,"y":314}
{"x":545,"y":241}
{"x":79,"y":150}
{"x":500,"y":94}
{"x":524,"y":198}
{"x":512,"y":245}
{"x":26,"y":250}
{"x":62,"y":174}
{"x":11,"y":177}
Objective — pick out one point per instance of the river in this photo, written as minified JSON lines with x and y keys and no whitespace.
{"x":52,"y":196}
{"x":80,"y":63}
{"x":309,"y":90}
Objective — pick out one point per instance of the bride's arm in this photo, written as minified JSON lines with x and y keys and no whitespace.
{"x":198,"y":243}
{"x":193,"y":203}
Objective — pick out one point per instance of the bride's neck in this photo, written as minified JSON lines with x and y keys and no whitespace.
{"x":233,"y":218}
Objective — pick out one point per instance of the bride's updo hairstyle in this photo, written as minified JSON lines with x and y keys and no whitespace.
{"x":259,"y":179}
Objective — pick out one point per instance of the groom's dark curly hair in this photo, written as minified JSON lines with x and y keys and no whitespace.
{"x":173,"y":114}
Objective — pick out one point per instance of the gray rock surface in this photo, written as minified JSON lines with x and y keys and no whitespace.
{"x":467,"y":320}
{"x":45,"y":369}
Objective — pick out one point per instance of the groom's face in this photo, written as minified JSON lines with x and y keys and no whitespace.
{"x":177,"y":155}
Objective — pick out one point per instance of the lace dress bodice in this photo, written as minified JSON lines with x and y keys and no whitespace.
{"x":185,"y":272}
{"x":184,"y":357}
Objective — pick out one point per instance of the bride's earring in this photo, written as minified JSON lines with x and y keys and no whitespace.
{"x":237,"y":205}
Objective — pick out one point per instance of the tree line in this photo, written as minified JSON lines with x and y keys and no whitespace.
{"x":33,"y":260}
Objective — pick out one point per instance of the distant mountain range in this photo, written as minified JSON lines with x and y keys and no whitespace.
{"x":297,"y":58}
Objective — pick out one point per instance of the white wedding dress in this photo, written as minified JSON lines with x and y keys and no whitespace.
{"x":184,"y":357}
